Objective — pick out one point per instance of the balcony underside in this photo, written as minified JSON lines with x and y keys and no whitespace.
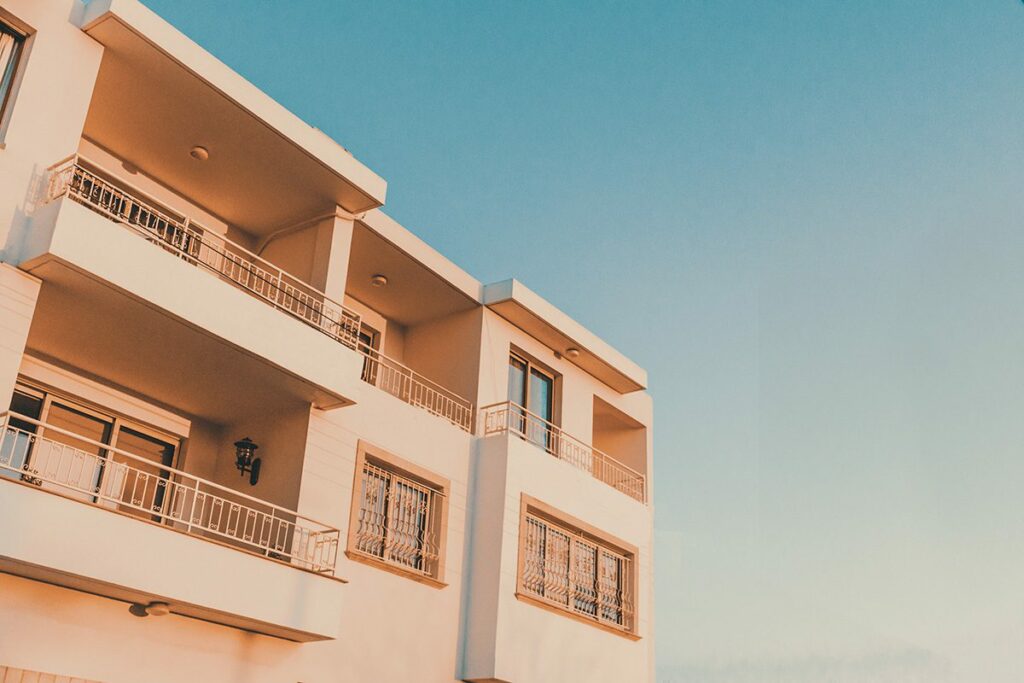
{"x":67,"y":543}
{"x":157,"y":94}
{"x":131,"y":314}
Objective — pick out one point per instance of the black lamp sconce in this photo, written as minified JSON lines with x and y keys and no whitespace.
{"x":245,"y":460}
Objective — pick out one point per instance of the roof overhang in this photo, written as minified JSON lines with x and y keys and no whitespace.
{"x":159,"y":94}
{"x":529,"y":312}
{"x":422,"y":284}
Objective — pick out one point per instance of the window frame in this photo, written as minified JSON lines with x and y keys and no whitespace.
{"x":532,"y":365}
{"x":115,"y":421}
{"x":23,"y":36}
{"x":439,"y":491}
{"x":576,"y":530}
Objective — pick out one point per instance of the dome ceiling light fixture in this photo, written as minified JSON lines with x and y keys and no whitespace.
{"x":379,"y":280}
{"x":152,"y":609}
{"x":572,"y":353}
{"x":199,"y":153}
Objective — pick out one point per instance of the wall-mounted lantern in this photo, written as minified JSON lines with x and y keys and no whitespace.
{"x":245,"y":460}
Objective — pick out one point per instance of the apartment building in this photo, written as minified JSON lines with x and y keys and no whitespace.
{"x":259,"y":432}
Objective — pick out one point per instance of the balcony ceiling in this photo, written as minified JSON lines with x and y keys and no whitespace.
{"x":414,"y":293}
{"x":88,"y":325}
{"x":150,"y":110}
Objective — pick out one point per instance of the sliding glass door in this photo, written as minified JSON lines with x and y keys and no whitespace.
{"x":531,"y":390}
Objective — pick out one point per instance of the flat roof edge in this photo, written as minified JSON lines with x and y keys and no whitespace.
{"x":318,"y":145}
{"x":629,"y":375}
{"x":407,"y":241}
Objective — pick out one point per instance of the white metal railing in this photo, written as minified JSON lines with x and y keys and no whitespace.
{"x":397,"y":520}
{"x":203,"y":248}
{"x":510,"y":417}
{"x":408,"y":385}
{"x":574,"y":573}
{"x":115,"y":479}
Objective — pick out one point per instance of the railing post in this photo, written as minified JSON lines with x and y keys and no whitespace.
{"x":192,"y":509}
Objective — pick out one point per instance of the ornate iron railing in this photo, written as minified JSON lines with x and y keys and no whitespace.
{"x":509,"y":417}
{"x":183,"y":237}
{"x":38,"y":454}
{"x":408,"y":385}
{"x":205,"y":249}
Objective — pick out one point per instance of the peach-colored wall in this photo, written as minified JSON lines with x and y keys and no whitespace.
{"x":447,"y":351}
{"x":281,"y":437}
{"x":511,"y":640}
{"x":48,"y":111}
{"x":293,"y":252}
{"x":18,"y":294}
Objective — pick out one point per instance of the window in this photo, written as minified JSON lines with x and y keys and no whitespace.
{"x":531,"y":390}
{"x":572,"y":568}
{"x":369,"y":345}
{"x":399,"y":515}
{"x":57,"y":443}
{"x":12,"y":43}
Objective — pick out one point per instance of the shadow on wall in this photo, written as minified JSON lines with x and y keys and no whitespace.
{"x":21,"y":221}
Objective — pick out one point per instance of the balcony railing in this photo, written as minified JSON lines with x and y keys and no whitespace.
{"x":415,"y":389}
{"x":205,"y":249}
{"x":511,"y":418}
{"x":39,"y":454}
{"x":181,"y":236}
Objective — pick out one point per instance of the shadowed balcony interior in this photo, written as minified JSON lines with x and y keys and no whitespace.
{"x":92,"y":185}
{"x":509,"y":418}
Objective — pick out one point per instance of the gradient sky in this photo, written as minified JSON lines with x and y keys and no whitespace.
{"x":803,"y":218}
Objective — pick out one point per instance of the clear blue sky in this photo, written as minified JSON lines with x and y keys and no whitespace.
{"x":804,"y":218}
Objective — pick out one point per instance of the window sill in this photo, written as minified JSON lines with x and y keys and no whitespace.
{"x":372,"y":561}
{"x":561,"y":611}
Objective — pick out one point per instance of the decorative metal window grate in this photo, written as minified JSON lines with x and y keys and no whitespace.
{"x":398,"y":520}
{"x":576,"y":574}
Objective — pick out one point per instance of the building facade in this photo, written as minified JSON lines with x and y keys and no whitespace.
{"x":256,"y":430}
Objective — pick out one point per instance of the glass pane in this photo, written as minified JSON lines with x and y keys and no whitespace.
{"x":70,"y":458}
{"x":556,"y":567}
{"x":369,"y":340}
{"x":407,"y":520}
{"x":17,"y":439}
{"x":541,"y":395}
{"x":611,"y":588}
{"x":533,"y":556}
{"x":10,"y":47}
{"x":540,"y":404}
{"x":138,"y":484}
{"x":584,"y":577}
{"x":516,"y":381}
{"x":372,"y":511}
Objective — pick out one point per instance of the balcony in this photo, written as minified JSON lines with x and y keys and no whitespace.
{"x":509,"y":418}
{"x":85,"y":184}
{"x":225,"y":544}
{"x":413,"y":388}
{"x":205,"y":250}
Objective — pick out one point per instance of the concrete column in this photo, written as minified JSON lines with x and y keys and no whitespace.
{"x":331,"y":254}
{"x":18,"y":294}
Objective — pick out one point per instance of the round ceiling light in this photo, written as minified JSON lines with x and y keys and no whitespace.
{"x":572,"y":353}
{"x":152,"y":609}
{"x":199,"y":153}
{"x":378,"y":280}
